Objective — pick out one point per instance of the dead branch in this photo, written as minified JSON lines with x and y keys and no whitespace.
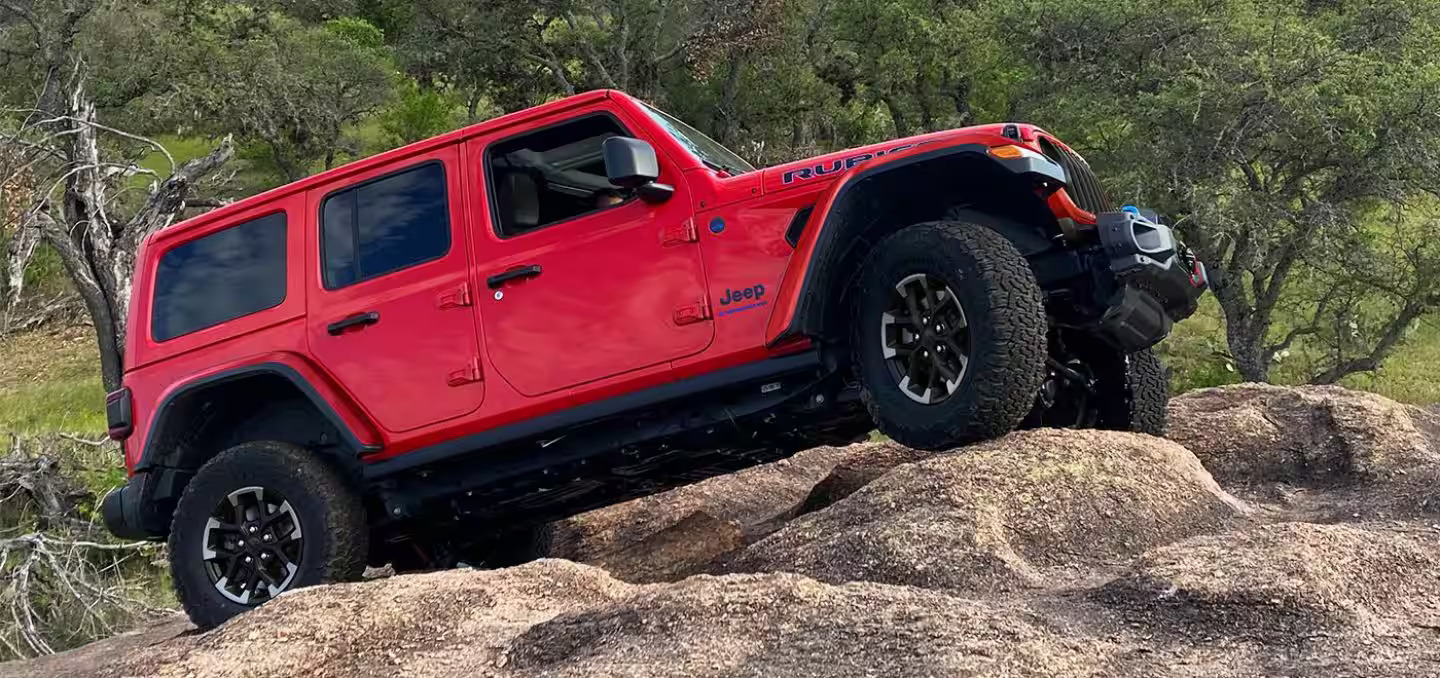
{"x":62,"y":581}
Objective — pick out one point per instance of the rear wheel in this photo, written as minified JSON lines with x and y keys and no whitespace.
{"x":260,"y":519}
{"x":512,"y":547}
{"x":948,"y":335}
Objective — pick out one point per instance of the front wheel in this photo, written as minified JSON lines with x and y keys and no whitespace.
{"x":1092,"y":385}
{"x":259,"y":519}
{"x":948,"y":335}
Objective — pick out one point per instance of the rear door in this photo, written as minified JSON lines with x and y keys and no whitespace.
{"x":389,"y":312}
{"x":583,"y":282}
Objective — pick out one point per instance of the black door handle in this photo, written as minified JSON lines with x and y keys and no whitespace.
{"x":357,"y":320}
{"x":499,"y":279}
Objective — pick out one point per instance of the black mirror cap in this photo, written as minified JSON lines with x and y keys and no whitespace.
{"x":630,"y":163}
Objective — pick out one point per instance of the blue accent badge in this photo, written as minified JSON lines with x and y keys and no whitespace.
{"x":717,"y":225}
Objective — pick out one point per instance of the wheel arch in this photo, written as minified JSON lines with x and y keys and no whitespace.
{"x":212,"y":413}
{"x":878,"y":199}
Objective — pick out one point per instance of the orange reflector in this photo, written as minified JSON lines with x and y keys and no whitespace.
{"x":1007,"y":151}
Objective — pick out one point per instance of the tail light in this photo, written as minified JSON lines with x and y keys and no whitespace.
{"x":119,"y":414}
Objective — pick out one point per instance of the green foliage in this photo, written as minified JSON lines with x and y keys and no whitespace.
{"x":420,"y":113}
{"x":1294,"y":140}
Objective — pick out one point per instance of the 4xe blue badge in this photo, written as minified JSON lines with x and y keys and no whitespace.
{"x":747,"y":298}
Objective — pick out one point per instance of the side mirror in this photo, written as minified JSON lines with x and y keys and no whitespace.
{"x":631,"y":164}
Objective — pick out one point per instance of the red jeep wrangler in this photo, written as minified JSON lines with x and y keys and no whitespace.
{"x":422,"y":357}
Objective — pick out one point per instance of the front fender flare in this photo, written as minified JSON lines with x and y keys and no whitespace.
{"x":799,"y":308}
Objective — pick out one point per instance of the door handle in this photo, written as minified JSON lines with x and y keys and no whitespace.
{"x":499,"y":279}
{"x":357,"y":320}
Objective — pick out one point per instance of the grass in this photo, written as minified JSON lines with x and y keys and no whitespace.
{"x":1410,"y":375}
{"x":51,"y":383}
{"x":1196,"y":352}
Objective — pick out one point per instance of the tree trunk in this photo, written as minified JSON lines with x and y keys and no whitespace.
{"x":902,"y":128}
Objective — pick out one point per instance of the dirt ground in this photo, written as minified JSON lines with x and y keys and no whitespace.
{"x":1278,"y":532}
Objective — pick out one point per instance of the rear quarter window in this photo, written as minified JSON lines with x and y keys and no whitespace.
{"x":222,"y":276}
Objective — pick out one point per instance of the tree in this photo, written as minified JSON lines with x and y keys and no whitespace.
{"x":290,"y":92}
{"x":1276,"y":133}
{"x":81,"y":195}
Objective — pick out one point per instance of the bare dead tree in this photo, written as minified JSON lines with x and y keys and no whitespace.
{"x":75,"y":178}
{"x":78,"y":208}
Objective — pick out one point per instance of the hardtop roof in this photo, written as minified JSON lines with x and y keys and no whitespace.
{"x":380,"y":159}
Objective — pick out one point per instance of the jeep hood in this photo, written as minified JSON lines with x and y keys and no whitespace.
{"x":824,"y":169}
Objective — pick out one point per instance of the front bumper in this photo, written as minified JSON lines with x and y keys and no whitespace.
{"x":1159,"y":281}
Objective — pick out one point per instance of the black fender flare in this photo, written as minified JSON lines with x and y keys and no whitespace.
{"x":151,"y":457}
{"x":807,"y":316}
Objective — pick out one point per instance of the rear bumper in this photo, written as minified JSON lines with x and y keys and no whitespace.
{"x":121,"y":510}
{"x":1159,"y":281}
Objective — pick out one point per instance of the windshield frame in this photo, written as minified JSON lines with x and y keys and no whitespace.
{"x":711,"y":152}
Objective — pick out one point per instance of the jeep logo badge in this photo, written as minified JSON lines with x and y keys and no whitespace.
{"x":743,"y":294}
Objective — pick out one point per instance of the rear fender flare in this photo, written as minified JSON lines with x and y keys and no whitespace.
{"x":152,"y":455}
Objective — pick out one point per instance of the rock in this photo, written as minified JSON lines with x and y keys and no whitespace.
{"x":1044,"y":553}
{"x":993,"y":516}
{"x":1315,"y":436}
{"x":1282,"y":580}
{"x":84,"y":661}
{"x":685,"y":548}
{"x":416,"y":625}
{"x":758,"y":500}
{"x":786,"y":625}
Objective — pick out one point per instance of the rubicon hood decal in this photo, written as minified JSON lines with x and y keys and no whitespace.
{"x":830,"y":167}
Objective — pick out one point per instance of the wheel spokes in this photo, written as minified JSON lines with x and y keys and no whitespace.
{"x":252,"y":545}
{"x":925,"y":339}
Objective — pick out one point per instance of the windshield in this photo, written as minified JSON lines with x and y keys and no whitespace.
{"x":708,"y":150}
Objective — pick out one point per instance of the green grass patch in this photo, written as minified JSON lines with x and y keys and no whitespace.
{"x":51,"y":383}
{"x":1196,"y":351}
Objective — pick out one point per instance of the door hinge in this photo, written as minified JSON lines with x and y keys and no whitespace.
{"x":457,"y":297}
{"x":694,"y":312}
{"x":678,"y":234}
{"x":466,"y":375}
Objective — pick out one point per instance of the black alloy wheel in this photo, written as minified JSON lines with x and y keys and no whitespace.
{"x":253,"y":545}
{"x":925,"y":339}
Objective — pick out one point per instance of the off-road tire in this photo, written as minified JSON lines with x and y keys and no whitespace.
{"x":512,"y":547}
{"x":330,"y":511}
{"x":1004,"y":309}
{"x":523,"y":545}
{"x":1141,"y":404}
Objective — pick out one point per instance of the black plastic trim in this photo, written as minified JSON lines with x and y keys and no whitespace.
{"x":587,"y":413}
{"x":797,"y":225}
{"x":826,"y":245}
{"x":147,"y":457}
{"x":119,"y":510}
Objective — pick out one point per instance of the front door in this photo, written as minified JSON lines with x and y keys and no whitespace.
{"x":581,"y":282}
{"x":389,"y":301}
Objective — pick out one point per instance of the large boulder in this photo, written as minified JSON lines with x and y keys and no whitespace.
{"x":458,"y":622}
{"x":643,"y":540}
{"x":1285,"y":579}
{"x":786,"y":625}
{"x":1005,"y":514}
{"x":1315,"y":436}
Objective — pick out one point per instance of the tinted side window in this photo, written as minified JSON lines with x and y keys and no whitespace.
{"x":220,"y":277}
{"x":554,"y":174}
{"x":385,"y":225}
